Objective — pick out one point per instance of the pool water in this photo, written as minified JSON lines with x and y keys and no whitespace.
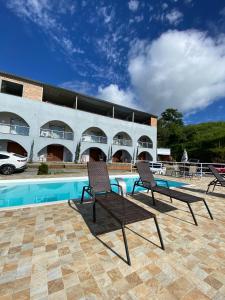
{"x":12,"y":194}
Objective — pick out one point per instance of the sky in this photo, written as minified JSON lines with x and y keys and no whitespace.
{"x":150,"y":55}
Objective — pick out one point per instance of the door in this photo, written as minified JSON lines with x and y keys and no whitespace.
{"x":55,"y":153}
{"x":16,"y":148}
{"x":95,"y":154}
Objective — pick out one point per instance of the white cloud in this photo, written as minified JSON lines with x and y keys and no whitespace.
{"x":44,"y":14}
{"x":79,"y":86}
{"x":133,"y":5}
{"x":174,"y":17}
{"x":180,"y":69}
{"x":164,"y":6}
{"x":113,"y":94}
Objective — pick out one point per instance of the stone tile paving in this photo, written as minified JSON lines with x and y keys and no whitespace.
{"x":50,"y":252}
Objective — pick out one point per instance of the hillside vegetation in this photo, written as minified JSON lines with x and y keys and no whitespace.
{"x":205,"y":141}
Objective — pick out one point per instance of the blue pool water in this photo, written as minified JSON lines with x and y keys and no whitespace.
{"x":12,"y":194}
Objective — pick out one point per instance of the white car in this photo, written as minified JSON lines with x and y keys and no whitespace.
{"x":157,"y":168}
{"x":11,"y":162}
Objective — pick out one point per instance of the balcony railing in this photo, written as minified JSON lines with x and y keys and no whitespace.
{"x":122,"y":142}
{"x":14,"y":129}
{"x":56,"y":134}
{"x":94,"y":139}
{"x":144,"y":144}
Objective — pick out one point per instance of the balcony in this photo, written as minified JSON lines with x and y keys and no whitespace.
{"x":94,"y":139}
{"x":14,"y":129}
{"x":122,"y":142}
{"x":56,"y":134}
{"x":144,"y":144}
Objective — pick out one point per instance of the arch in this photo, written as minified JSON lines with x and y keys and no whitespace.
{"x":94,"y":135}
{"x":93,"y":153}
{"x":121,"y":156}
{"x":12,"y":146}
{"x":56,"y":129}
{"x":122,"y":138}
{"x":144,"y":155}
{"x":145,"y":142}
{"x":13,"y":123}
{"x":55,"y":152}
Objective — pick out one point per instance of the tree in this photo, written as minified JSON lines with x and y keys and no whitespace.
{"x":171,"y":132}
{"x":77,"y":153}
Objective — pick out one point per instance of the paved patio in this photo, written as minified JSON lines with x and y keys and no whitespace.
{"x":50,"y":252}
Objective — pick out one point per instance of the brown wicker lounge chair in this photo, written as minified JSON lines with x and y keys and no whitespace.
{"x":120,"y":208}
{"x":148,"y":182}
{"x":218,"y":181}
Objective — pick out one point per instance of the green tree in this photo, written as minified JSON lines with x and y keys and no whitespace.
{"x":171,"y":132}
{"x":77,"y":153}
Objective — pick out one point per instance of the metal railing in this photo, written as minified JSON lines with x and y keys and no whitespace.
{"x":183,"y":167}
{"x":145,"y":144}
{"x":94,"y":139}
{"x":14,"y":129}
{"x":56,"y":134}
{"x":122,"y":142}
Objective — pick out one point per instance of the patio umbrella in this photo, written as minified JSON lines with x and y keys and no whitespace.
{"x":184,"y":156}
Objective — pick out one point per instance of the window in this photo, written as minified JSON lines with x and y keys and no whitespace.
{"x":12,"y":88}
{"x":2,"y":156}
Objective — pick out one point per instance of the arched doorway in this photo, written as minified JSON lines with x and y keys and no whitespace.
{"x":55,"y":152}
{"x":121,"y":156}
{"x":93,"y":154}
{"x":94,"y":135}
{"x":56,"y":130}
{"x":122,"y":139}
{"x":145,"y":142}
{"x":144,"y":155}
{"x":13,"y":124}
{"x":12,"y":146}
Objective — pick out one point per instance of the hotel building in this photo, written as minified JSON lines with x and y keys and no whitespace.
{"x":49,"y":123}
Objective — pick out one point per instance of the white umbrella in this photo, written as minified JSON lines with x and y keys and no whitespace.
{"x":184,"y":156}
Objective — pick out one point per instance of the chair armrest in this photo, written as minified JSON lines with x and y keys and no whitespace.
{"x":119,"y":186}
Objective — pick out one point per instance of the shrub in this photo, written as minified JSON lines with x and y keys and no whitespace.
{"x":43,"y":169}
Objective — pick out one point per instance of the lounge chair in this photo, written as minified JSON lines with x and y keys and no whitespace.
{"x":148,"y":182}
{"x":120,"y":208}
{"x":218,"y":181}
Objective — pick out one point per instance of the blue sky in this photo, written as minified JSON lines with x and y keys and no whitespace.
{"x":149,"y":55}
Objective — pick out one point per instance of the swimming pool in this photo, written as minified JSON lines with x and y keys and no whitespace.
{"x":27,"y":192}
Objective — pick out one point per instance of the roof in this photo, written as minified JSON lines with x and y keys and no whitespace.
{"x":64,"y":96}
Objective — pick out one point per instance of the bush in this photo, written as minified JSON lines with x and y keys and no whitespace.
{"x":43,"y":169}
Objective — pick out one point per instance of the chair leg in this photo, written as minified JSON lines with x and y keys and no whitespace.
{"x":126,"y":246}
{"x":193,"y":216}
{"x":208,"y":189}
{"x":153,"y":198}
{"x":133,"y":188}
{"x":94,"y":211}
{"x":159,"y":233}
{"x":82,"y":197}
{"x":210,"y":214}
{"x":214,"y":187}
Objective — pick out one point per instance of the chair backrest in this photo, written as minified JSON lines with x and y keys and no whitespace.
{"x":216,"y":173}
{"x":145,"y":173}
{"x":98,"y":176}
{"x":192,"y":169}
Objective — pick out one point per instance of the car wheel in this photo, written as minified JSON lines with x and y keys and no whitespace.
{"x":7,"y":170}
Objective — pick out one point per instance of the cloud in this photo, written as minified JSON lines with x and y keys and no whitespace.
{"x":133,"y":5}
{"x":113,"y":94}
{"x":45,"y":14}
{"x":180,"y":69}
{"x":83,"y":87}
{"x":174,"y":17}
